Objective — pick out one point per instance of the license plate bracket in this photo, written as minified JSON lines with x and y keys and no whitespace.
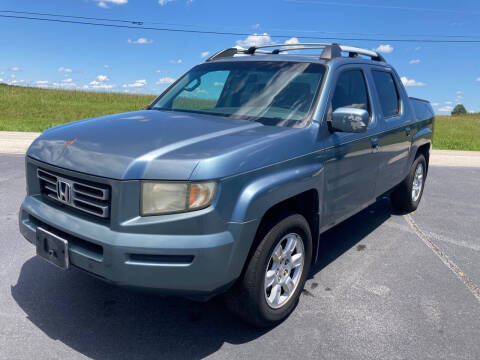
{"x":52,"y":248}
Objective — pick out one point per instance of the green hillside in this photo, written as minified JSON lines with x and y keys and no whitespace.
{"x":457,"y":132}
{"x":35,"y":109}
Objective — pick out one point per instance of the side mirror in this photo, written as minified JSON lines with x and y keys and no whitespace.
{"x":350,"y":120}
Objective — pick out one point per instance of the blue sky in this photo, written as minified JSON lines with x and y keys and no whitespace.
{"x":145,"y":61}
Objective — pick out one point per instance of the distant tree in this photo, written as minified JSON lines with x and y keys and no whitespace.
{"x":459,"y":109}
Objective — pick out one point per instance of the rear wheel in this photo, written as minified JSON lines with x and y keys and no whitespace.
{"x":408,"y":193}
{"x":274,"y":277}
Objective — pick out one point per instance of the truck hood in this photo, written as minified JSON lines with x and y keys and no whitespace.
{"x":146,"y":144}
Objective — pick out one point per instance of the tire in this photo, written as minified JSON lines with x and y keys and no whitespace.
{"x":248,"y":297}
{"x":404,"y":199}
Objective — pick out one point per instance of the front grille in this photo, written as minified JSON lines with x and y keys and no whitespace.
{"x":91,"y":198}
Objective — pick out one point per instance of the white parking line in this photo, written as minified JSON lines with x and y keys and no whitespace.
{"x":435,"y":236}
{"x":474,"y":289}
{"x":449,"y":240}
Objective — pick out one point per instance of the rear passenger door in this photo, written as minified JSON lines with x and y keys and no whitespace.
{"x":351,"y":166}
{"x":394,"y":137}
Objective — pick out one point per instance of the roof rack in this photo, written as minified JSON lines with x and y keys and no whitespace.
{"x":330,"y":51}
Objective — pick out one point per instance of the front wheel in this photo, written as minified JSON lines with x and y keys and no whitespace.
{"x":407,"y":195}
{"x":275,"y":275}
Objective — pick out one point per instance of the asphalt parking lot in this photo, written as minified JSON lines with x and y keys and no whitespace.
{"x":387,"y":286}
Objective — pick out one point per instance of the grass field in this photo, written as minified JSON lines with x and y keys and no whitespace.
{"x":457,"y":132}
{"x":34,"y":109}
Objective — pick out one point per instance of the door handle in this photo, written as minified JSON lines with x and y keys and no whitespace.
{"x":407,"y":130}
{"x":374,"y":142}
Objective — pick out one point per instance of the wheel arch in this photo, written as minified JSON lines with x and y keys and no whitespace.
{"x":306,"y":204}
{"x":425,"y":151}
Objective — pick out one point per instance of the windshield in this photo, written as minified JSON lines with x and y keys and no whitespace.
{"x":273,"y":93}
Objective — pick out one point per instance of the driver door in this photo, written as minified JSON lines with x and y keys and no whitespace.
{"x":351,"y":161}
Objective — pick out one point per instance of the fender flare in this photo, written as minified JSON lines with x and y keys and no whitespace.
{"x":260,"y":195}
{"x":266,"y":191}
{"x":422,"y":137}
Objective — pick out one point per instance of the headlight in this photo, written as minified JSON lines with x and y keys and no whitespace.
{"x":171,"y":197}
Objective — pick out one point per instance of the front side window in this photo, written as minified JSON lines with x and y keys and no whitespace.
{"x":273,"y":93}
{"x":350,"y":91}
{"x":387,"y":93}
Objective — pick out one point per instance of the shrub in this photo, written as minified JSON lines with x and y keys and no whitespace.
{"x":459,"y":109}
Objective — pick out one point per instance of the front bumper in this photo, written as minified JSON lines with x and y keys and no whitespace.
{"x":188,"y":265}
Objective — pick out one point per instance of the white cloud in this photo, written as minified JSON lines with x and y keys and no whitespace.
{"x":141,"y":41}
{"x":65,"y":70}
{"x":164,"y":2}
{"x":411,"y":82}
{"x":292,"y":41}
{"x":446,"y":109}
{"x":255,"y":26}
{"x":179,"y":61}
{"x":459,"y":92}
{"x":384,"y":48}
{"x":137,"y":83}
{"x":104,"y":3}
{"x":477,"y":79}
{"x":1,"y":79}
{"x":254,"y":40}
{"x":204,"y":54}
{"x":98,"y":85}
{"x":414,"y":61}
{"x":106,"y":66}
{"x":102,"y":78}
{"x":165,"y":81}
{"x":15,"y":68}
{"x":66,"y":83}
{"x":435,"y":104}
{"x":448,"y":102}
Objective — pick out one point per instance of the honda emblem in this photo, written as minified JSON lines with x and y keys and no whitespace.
{"x":64,"y":191}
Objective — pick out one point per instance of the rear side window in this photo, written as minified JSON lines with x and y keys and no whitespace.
{"x":387,"y":93}
{"x":350,"y":91}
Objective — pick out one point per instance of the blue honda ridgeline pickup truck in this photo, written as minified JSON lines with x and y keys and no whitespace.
{"x":226,"y":181}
